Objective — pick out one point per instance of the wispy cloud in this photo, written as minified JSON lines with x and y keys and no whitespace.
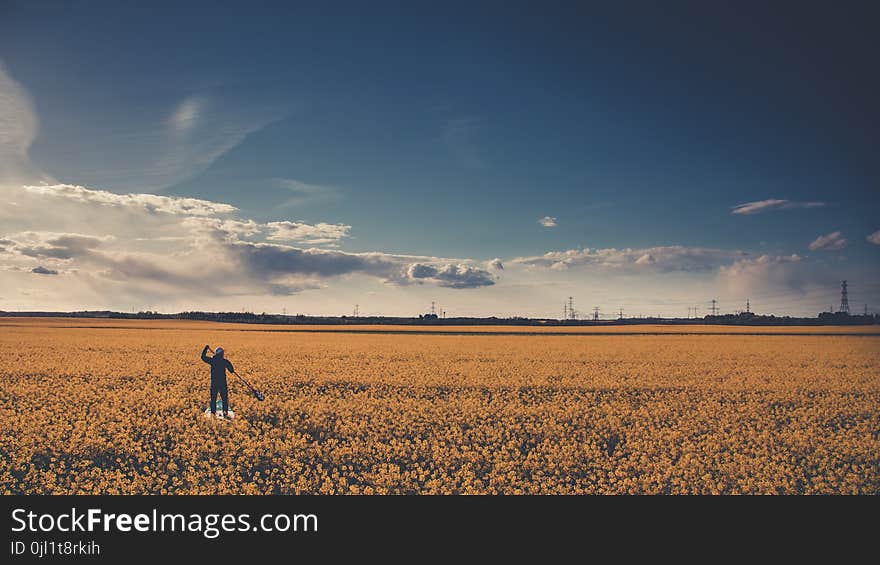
{"x":548,"y":222}
{"x":302,"y":193}
{"x":153,"y":155}
{"x":186,"y":116}
{"x":199,"y":133}
{"x":760,"y":206}
{"x":874,"y":238}
{"x":19,"y":125}
{"x":834,"y":241}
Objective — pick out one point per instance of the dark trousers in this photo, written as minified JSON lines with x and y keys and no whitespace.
{"x":224,"y":396}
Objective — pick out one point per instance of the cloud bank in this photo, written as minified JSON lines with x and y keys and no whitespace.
{"x":758,"y":274}
{"x":179,"y":246}
{"x":150,"y":203}
{"x":657,"y":259}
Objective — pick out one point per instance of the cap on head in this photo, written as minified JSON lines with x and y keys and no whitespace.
{"x":218,"y":351}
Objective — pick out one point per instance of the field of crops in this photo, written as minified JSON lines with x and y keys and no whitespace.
{"x":116,"y":407}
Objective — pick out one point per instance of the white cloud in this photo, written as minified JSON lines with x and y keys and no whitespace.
{"x":222,"y":228}
{"x":148,"y":202}
{"x":548,"y":222}
{"x":760,"y":206}
{"x":496,"y":264}
{"x":874,"y":238}
{"x":661,"y":259}
{"x":834,"y":241}
{"x":310,"y":234}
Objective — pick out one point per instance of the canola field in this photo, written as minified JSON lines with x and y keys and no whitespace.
{"x":115,"y":406}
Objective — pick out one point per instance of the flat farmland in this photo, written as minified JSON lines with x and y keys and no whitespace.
{"x":115,"y":406}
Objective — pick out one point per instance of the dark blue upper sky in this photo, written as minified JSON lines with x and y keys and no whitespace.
{"x":449,"y":128}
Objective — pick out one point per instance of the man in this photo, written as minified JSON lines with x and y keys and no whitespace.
{"x":219,"y":366}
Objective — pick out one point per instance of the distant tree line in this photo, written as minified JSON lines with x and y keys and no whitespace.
{"x":740,"y":319}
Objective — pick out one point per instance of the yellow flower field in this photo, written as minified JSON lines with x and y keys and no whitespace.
{"x":100,"y":406}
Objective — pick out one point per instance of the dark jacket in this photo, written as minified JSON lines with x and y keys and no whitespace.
{"x":219,"y":366}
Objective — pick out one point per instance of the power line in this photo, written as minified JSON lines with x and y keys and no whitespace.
{"x":796,"y":302}
{"x":568,"y":311}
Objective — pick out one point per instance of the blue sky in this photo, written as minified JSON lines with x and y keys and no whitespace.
{"x":438,"y":136}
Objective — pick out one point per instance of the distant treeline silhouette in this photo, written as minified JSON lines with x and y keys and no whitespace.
{"x":740,"y":319}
